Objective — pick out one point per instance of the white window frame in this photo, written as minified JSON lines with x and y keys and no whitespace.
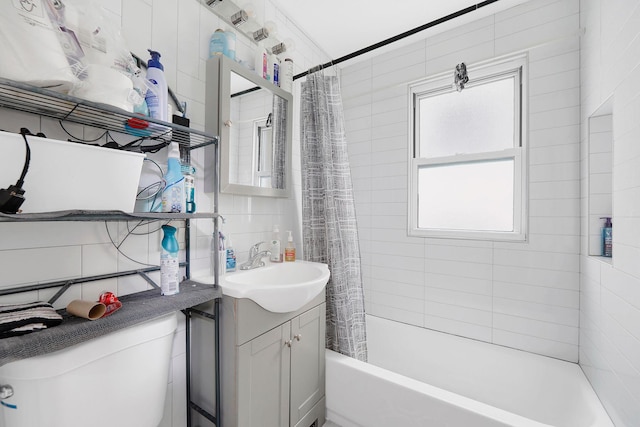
{"x":443,"y":83}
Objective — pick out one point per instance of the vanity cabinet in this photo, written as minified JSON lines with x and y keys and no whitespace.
{"x":274,"y":374}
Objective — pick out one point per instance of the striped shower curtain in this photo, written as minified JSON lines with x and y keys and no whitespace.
{"x":329,"y":228}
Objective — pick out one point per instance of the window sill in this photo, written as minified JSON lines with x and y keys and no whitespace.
{"x":469,"y":235}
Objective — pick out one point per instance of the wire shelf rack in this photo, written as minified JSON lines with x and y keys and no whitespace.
{"x":31,"y":99}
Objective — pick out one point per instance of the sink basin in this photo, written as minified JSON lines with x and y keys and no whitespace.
{"x":281,"y":287}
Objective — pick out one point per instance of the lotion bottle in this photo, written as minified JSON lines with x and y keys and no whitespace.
{"x":290,"y":249}
{"x":157,"y":97}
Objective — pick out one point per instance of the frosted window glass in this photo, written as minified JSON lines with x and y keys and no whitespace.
{"x":478,"y":119}
{"x":467,"y":196}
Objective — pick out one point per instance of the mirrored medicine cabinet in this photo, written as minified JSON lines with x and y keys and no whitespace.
{"x":253,"y":118}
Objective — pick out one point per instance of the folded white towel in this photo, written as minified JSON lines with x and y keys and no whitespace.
{"x":20,"y":319}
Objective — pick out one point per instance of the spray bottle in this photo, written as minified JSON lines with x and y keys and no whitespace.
{"x":169,"y":264}
{"x":173,"y":195}
{"x":156,"y":96}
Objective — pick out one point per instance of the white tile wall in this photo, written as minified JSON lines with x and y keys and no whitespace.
{"x":523,"y":295}
{"x":610,"y":307}
{"x":600,"y":164}
{"x":38,"y":252}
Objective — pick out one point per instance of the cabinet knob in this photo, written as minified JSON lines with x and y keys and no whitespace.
{"x":298,"y":337}
{"x":288,"y":343}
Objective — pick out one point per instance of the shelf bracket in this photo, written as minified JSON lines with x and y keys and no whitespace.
{"x":202,"y":313}
{"x":204,"y":413}
{"x":61,"y":291}
{"x":148,"y":279}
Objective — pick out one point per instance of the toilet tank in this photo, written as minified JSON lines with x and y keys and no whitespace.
{"x":119,"y":379}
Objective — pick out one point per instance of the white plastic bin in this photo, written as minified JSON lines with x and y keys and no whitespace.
{"x":66,"y":175}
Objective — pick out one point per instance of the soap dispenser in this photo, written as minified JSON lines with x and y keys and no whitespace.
{"x":290,"y":249}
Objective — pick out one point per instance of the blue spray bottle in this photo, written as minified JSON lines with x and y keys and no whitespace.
{"x":169,"y":264}
{"x":173,"y":195}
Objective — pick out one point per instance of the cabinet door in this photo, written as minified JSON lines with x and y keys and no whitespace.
{"x":307,"y":361}
{"x":263,"y":379}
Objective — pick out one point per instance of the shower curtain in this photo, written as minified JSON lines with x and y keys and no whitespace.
{"x":329,"y":227}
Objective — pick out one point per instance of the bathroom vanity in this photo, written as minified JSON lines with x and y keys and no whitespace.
{"x":273,"y":364}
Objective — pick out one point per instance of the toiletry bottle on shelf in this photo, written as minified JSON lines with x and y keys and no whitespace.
{"x":261,"y":62}
{"x":607,"y":237}
{"x":276,"y":71}
{"x":173,"y":193}
{"x":230,"y":264}
{"x":275,"y":248}
{"x":219,"y":43}
{"x":169,"y":264}
{"x":271,"y":60}
{"x":156,"y":97}
{"x":290,"y":249}
{"x":286,"y":75}
{"x":190,"y":191}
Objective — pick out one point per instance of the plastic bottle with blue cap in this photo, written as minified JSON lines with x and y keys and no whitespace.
{"x":607,"y":238}
{"x":156,"y":97}
{"x":169,"y":262}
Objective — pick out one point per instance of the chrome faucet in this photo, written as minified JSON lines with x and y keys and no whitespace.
{"x":255,"y":257}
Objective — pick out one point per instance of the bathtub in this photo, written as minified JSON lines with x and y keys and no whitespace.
{"x":422,"y":378}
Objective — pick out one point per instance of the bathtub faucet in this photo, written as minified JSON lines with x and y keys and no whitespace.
{"x":255,"y":257}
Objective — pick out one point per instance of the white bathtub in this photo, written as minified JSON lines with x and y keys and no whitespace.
{"x":422,"y":378}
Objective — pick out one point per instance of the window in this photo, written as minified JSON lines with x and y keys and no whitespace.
{"x":468,"y":162}
{"x":262,"y":152}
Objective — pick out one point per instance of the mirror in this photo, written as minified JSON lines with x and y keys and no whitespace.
{"x":253,"y":118}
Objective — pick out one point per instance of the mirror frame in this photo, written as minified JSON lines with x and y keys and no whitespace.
{"x":218,"y":112}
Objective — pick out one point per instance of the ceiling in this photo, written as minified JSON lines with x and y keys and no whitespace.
{"x":340,"y":27}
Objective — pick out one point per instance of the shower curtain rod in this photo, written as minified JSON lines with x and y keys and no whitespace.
{"x":396,"y":38}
